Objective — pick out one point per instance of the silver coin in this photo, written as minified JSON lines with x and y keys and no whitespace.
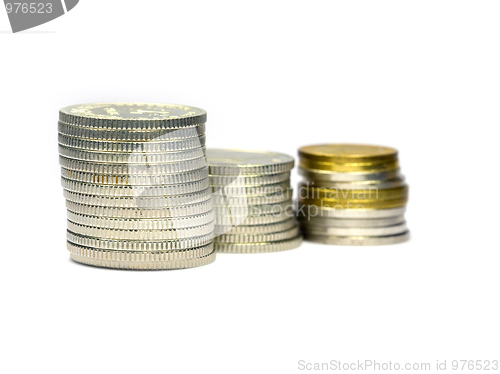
{"x":131,"y":157}
{"x":132,"y":169}
{"x":114,"y":255}
{"x":132,"y":116}
{"x":248,"y":181}
{"x":232,"y":200}
{"x":169,"y":223}
{"x":131,"y":191}
{"x":135,"y":180}
{"x":141,"y":260}
{"x":130,"y":135}
{"x":124,"y":147}
{"x":355,"y":231}
{"x":139,"y":201}
{"x":139,"y":245}
{"x":228,"y":219}
{"x":252,"y":210}
{"x":121,"y":234}
{"x":354,"y":186}
{"x":351,"y":222}
{"x":241,"y":162}
{"x":304,"y":210}
{"x":259,"y":247}
{"x":258,"y":238}
{"x":256,"y":229}
{"x":328,"y":176}
{"x":283,"y":187}
{"x":139,"y":213}
{"x":358,"y":240}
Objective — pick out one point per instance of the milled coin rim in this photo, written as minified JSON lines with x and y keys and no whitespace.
{"x":354,"y":213}
{"x":248,"y":238}
{"x":355,"y":231}
{"x":259,"y":247}
{"x":358,"y":241}
{"x":146,"y":265}
{"x":138,"y":245}
{"x":322,"y":175}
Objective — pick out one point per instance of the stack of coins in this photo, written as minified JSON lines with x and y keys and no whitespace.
{"x":252,"y":201}
{"x":351,"y":195}
{"x":136,"y":184}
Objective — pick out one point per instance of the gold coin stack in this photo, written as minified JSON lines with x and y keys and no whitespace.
{"x":136,"y":184}
{"x":252,"y":201}
{"x":351,"y":195}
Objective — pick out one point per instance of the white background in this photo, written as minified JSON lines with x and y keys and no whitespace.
{"x":421,"y":76}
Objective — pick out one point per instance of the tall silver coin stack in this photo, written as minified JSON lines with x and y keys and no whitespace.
{"x":136,"y":184}
{"x":252,"y":201}
{"x":352,"y":194}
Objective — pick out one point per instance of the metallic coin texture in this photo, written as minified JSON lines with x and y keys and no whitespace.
{"x":350,"y":222}
{"x":252,"y":201}
{"x":124,"y":255}
{"x":139,"y":245}
{"x":138,"y":213}
{"x":137,"y":185}
{"x":130,"y":135}
{"x":131,"y":157}
{"x":259,"y":229}
{"x":351,"y":194}
{"x":235,"y":162}
{"x":136,"y":180}
{"x":142,"y":223}
{"x":138,"y":147}
{"x":123,"y":234}
{"x":356,"y":231}
{"x":305,"y":210}
{"x":137,"y":261}
{"x":142,"y":202}
{"x":262,"y":247}
{"x":258,"y":238}
{"x":132,"y":116}
{"x":347,"y":153}
{"x":219,"y":181}
{"x":130,"y":191}
{"x":332,"y":176}
{"x":358,"y":240}
{"x":132,"y":169}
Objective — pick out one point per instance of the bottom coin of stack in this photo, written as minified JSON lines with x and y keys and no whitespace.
{"x":252,"y":201}
{"x":136,"y":184}
{"x":352,"y":195}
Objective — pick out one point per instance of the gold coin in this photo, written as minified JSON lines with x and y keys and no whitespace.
{"x":379,"y":166}
{"x":356,"y":204}
{"x":343,"y":153}
{"x":308,"y":192}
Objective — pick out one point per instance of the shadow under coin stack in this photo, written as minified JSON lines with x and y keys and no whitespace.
{"x":252,"y":201}
{"x":351,"y":195}
{"x":136,"y":185}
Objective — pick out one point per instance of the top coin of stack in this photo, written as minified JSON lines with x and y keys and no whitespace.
{"x":252,"y":201}
{"x":136,"y":183}
{"x":352,"y":195}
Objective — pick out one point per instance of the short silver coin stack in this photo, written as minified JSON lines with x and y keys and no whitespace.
{"x":252,"y":201}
